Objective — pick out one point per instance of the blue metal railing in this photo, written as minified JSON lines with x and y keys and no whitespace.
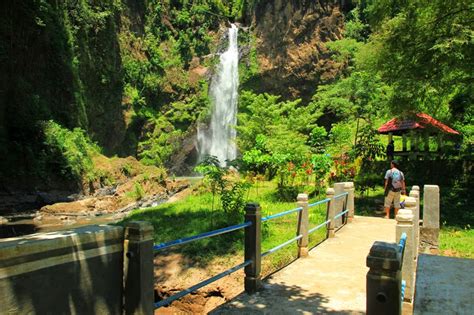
{"x":402,"y":243}
{"x":274,"y":216}
{"x":201,"y":284}
{"x":318,"y":227}
{"x":278,"y":215}
{"x":232,"y":228}
{"x":186,"y":240}
{"x":341,"y":214}
{"x":344,"y":207}
{"x":401,"y":249}
{"x":341,"y":195}
{"x":319,"y":202}
{"x":274,"y":249}
{"x":404,"y":285}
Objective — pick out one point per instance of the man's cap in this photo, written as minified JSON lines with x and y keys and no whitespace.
{"x":395,"y":162}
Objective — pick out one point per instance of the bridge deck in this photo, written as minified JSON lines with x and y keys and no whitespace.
{"x":330,"y":280}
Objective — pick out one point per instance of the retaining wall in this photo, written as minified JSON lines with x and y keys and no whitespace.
{"x":78,"y":271}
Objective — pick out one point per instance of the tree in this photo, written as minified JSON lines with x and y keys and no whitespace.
{"x":424,"y":50}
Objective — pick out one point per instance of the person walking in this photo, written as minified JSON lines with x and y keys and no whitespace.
{"x":394,"y":187}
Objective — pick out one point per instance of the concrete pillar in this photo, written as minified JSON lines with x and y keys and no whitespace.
{"x":331,"y":212}
{"x":416,"y":217}
{"x":349,"y":188}
{"x":138,"y":269}
{"x":339,"y":202}
{"x":405,"y":225}
{"x":303,"y":223}
{"x":383,"y":280}
{"x":410,"y":204}
{"x":253,"y":250}
{"x":429,"y":234}
{"x":390,"y":137}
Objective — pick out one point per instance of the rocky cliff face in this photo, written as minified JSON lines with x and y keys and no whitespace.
{"x":292,"y":56}
{"x":129,"y":74}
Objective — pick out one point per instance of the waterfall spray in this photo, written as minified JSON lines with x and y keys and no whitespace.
{"x":219,"y":138}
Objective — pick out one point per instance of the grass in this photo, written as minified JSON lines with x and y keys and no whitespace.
{"x":194,"y":215}
{"x":457,"y":242}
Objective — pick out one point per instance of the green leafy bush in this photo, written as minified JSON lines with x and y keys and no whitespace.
{"x":70,"y":150}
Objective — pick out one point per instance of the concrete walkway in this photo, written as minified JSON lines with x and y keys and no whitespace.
{"x":331,"y":280}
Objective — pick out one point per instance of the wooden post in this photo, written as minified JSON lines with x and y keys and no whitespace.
{"x":253,"y":238}
{"x":138,"y":269}
{"x":303,"y":223}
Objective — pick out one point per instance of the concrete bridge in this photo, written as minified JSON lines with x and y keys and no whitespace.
{"x":358,"y":269}
{"x":331,"y":279}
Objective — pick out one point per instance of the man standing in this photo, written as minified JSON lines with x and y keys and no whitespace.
{"x":394,"y":186}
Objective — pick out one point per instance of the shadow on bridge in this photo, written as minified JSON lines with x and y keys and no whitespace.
{"x":278,"y":298}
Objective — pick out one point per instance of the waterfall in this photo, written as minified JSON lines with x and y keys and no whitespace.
{"x":219,"y":138}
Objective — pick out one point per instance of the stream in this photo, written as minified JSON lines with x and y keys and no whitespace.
{"x":32,"y":221}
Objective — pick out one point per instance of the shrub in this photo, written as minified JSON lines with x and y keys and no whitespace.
{"x":71,"y":151}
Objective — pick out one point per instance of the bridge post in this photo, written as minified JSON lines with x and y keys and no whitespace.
{"x":138,"y":273}
{"x":430,"y":231}
{"x":253,"y":237}
{"x":349,"y":188}
{"x":303,"y":223}
{"x":339,"y":203}
{"x":331,"y":212}
{"x":415,"y":193}
{"x":405,"y":225}
{"x":383,"y":280}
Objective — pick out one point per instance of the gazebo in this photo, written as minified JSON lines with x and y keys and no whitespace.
{"x":418,"y":129}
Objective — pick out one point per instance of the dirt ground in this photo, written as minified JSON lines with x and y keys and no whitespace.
{"x":174,"y":273}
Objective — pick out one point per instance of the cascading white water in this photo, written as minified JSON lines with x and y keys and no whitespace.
{"x":219,"y":138}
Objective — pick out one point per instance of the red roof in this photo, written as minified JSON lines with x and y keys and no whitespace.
{"x":420,"y":121}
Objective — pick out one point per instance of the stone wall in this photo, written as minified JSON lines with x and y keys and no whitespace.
{"x":78,"y":271}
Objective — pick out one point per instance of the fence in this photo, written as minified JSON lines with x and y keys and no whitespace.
{"x":109,"y":269}
{"x":385,"y":288}
{"x":337,"y":209}
{"x":390,"y":263}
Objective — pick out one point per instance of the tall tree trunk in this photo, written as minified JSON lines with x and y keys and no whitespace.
{"x":357,"y":132}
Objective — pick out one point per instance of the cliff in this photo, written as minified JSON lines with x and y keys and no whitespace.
{"x":134,"y":74}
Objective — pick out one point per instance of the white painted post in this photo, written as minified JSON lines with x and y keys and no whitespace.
{"x":303,"y":224}
{"x":349,"y":188}
{"x":405,"y":225}
{"x":339,"y":204}
{"x":430,"y":232}
{"x":331,"y":212}
{"x":415,"y":193}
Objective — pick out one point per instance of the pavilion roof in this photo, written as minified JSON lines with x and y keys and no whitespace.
{"x":419,"y":121}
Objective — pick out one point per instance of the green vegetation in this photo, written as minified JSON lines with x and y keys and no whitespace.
{"x":71,"y":151}
{"x":457,"y":242}
{"x":130,"y":78}
{"x":124,"y":73}
{"x":192,"y":216}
